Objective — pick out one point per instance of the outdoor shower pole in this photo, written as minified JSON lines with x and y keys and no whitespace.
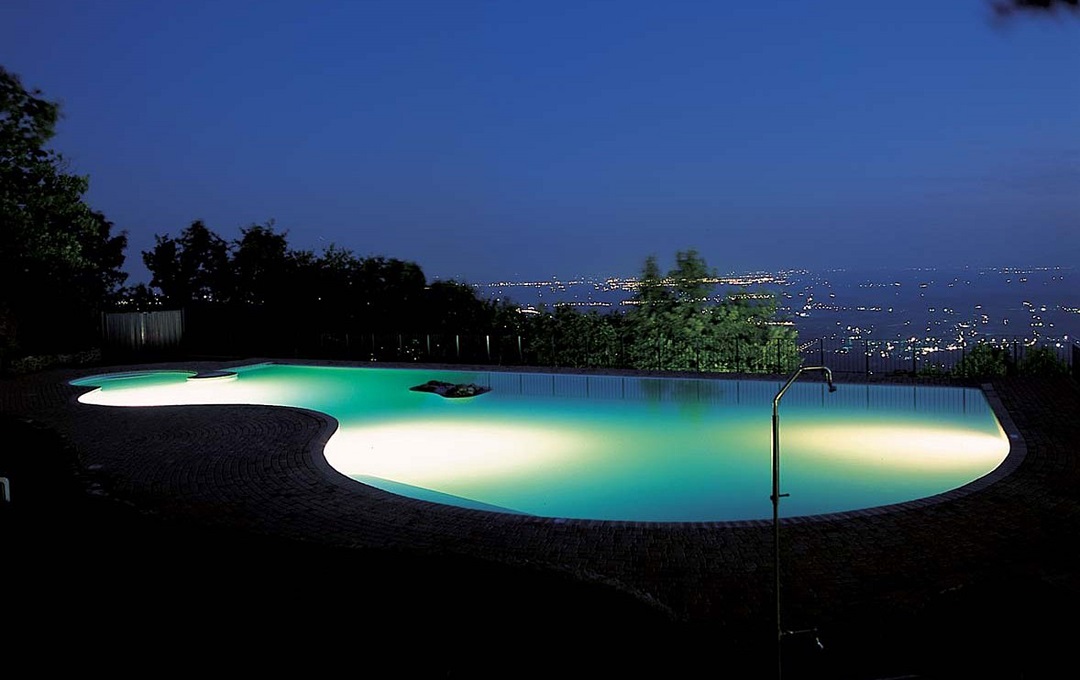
{"x":776,"y":495}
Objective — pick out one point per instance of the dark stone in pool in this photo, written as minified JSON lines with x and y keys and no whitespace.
{"x":207,"y":375}
{"x":450,"y":390}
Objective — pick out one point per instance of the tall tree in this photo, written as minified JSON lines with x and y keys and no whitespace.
{"x":671,"y":317}
{"x":388,"y":293}
{"x":191,"y":268}
{"x":454,"y":307}
{"x":646,"y":324}
{"x":59,"y":261}
{"x":678,"y":325}
{"x":260,"y":266}
{"x":332,"y":276}
{"x":1009,"y":7}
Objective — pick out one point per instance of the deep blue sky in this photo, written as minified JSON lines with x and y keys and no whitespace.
{"x":534,"y":139}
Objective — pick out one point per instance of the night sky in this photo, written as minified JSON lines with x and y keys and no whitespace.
{"x":504,"y":139}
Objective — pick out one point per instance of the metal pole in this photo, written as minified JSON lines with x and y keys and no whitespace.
{"x":776,"y":496}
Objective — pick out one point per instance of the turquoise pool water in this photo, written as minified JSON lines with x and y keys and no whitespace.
{"x":613,"y":447}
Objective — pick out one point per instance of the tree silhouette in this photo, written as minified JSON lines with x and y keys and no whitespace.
{"x":678,"y":324}
{"x":260,"y":266}
{"x":60,"y":264}
{"x":1007,"y":8}
{"x":191,"y":268}
{"x":258,"y":295}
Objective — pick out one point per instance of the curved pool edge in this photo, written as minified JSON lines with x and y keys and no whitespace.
{"x":1012,"y":460}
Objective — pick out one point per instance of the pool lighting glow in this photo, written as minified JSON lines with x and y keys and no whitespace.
{"x":434,"y":454}
{"x":612,"y":447}
{"x":899,"y":448}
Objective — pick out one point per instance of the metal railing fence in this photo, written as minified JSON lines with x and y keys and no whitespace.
{"x":929,"y":357}
{"x":719,"y":355}
{"x":224,"y":332}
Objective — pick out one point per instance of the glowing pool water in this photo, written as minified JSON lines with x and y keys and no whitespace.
{"x":614,"y":447}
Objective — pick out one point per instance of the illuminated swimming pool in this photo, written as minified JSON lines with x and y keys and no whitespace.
{"x":613,"y":447}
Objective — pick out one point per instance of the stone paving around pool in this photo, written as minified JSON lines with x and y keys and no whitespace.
{"x":1001,"y":554}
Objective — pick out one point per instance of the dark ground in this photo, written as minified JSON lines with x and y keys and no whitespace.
{"x":90,"y":581}
{"x":98,"y":577}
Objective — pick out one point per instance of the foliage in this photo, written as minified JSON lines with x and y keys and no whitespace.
{"x":453,"y":307}
{"x":389,"y":293}
{"x":59,"y":262}
{"x":383,"y":306}
{"x":984,"y":361}
{"x":259,"y":267}
{"x":990,"y":361}
{"x":35,"y":363}
{"x":937,"y":370}
{"x":1042,"y":361}
{"x":677,"y":324}
{"x":193,"y":267}
{"x":1005,"y":8}
{"x":253,"y":283}
{"x":567,"y":337}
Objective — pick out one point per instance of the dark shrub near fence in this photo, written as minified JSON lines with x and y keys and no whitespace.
{"x":867,"y":358}
{"x":219,"y":331}
{"x":898,"y":357}
{"x":1076,"y":361}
